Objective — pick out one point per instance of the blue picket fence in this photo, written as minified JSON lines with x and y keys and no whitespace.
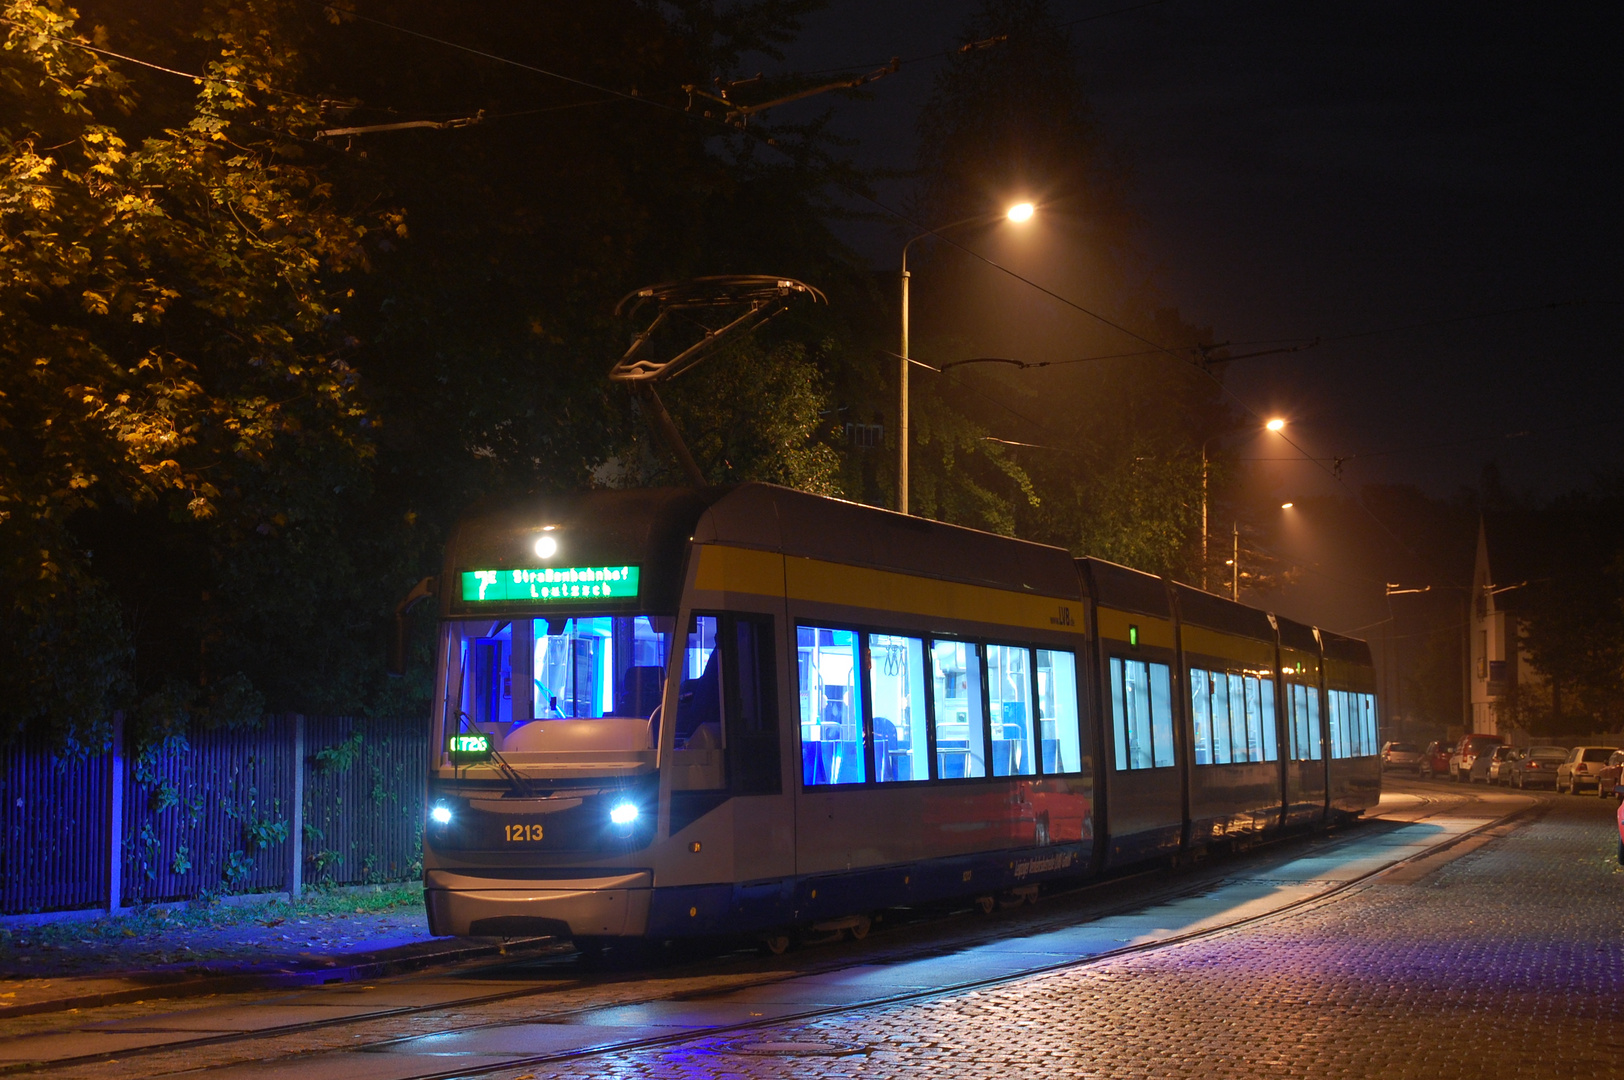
{"x":294,"y":801}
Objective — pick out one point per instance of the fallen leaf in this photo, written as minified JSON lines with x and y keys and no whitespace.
{"x":274,"y":922}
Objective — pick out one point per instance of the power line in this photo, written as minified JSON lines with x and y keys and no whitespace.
{"x":621,"y":94}
{"x":1396,"y":329}
{"x":970,"y":46}
{"x":159,"y":67}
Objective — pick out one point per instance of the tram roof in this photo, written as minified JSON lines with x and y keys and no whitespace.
{"x":1200,"y":608}
{"x":650,"y":527}
{"x":774,"y":518}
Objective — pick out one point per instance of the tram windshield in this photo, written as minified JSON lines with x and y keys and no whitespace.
{"x":533,"y":684}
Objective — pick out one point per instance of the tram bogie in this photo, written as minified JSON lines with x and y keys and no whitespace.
{"x":753,"y":711}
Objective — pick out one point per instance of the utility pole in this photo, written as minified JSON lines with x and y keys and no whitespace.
{"x":1235,"y":579}
{"x":1204,"y":517}
{"x":902,"y":397}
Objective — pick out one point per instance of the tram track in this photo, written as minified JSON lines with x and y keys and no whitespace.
{"x":1204,"y":879}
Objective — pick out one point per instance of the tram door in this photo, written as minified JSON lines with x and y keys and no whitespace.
{"x":1302,"y":709}
{"x":1144,"y":790}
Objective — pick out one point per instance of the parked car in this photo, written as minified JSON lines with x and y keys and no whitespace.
{"x":1466,"y":753}
{"x":1611,"y":776}
{"x":1621,"y":832}
{"x":1400,"y":755}
{"x":1496,"y":765}
{"x":1434,"y":760}
{"x":1583,"y":767}
{"x":1537,"y":766}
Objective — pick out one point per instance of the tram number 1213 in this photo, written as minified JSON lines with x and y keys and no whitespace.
{"x":520,"y":833}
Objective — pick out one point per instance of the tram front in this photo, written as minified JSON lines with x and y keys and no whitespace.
{"x":555,"y":638}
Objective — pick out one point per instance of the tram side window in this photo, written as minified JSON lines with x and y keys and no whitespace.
{"x":1305,"y":729}
{"x":1353,"y":724}
{"x":1254,"y":717}
{"x":896,"y":679}
{"x":832,"y":743}
{"x":1009,"y":698}
{"x":1057,"y":711}
{"x":1341,"y":733}
{"x":1142,"y":713}
{"x":960,"y":723}
{"x":1233,"y":718}
{"x":1359,"y":723}
{"x":699,"y":698}
{"x":1271,"y":741}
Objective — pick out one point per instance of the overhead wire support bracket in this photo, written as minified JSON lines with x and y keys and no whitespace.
{"x":738,"y":115}
{"x":405,"y":125}
{"x":762,"y":296}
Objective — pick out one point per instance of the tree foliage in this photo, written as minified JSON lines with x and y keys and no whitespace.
{"x":1570,"y":620}
{"x":167,"y":324}
{"x":252,"y":376}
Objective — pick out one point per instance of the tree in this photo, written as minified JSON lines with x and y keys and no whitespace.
{"x":169,"y":336}
{"x":1570,"y":621}
{"x":252,"y":376}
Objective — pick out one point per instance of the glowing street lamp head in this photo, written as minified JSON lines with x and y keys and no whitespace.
{"x":1276,"y":424}
{"x":1286,"y":505}
{"x":1021,"y":212}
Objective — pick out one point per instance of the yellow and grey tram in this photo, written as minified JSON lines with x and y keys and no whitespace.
{"x":665,"y":713}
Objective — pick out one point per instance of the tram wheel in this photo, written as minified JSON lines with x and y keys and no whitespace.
{"x":859,"y":929}
{"x":775,"y":944}
{"x":986,"y":905}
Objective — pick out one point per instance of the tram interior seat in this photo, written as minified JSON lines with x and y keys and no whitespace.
{"x":891,"y":763}
{"x":640,"y":691}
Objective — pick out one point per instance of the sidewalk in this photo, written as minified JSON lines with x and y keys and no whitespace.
{"x":181,"y":950}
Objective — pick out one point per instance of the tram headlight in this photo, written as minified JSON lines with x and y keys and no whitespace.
{"x":624,"y":814}
{"x":440,"y":815}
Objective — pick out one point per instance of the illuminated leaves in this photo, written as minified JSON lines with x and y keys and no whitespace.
{"x":168,"y":333}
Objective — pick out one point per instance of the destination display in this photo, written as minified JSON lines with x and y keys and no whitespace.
{"x":475,"y":747}
{"x":551,"y":584}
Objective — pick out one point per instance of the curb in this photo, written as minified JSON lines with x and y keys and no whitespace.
{"x":368,"y":966}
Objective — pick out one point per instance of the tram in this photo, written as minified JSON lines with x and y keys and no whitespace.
{"x":751,"y":710}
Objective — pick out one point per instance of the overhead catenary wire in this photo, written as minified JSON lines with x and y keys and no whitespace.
{"x":901,"y":218}
{"x":1155,"y":347}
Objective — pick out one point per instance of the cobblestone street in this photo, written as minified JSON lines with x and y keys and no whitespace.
{"x":1429,"y":943}
{"x":1505,"y":962}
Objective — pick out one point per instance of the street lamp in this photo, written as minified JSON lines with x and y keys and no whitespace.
{"x":1018,"y":213}
{"x":1274,"y":424}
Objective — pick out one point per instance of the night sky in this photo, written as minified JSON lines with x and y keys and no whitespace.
{"x":1328,"y":170}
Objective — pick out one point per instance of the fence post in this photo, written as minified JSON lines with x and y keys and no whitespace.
{"x":115,"y":816}
{"x":296,"y":871}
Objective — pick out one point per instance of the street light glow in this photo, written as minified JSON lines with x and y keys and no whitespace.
{"x":1021,"y":211}
{"x":1276,"y":424}
{"x":1285,"y":506}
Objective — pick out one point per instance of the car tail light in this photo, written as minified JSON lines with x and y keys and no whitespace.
{"x":1533,"y":764}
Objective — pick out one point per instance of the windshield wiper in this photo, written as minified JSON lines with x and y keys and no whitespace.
{"x":520,"y":786}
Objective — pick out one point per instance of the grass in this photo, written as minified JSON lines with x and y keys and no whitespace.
{"x":151,"y":922}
